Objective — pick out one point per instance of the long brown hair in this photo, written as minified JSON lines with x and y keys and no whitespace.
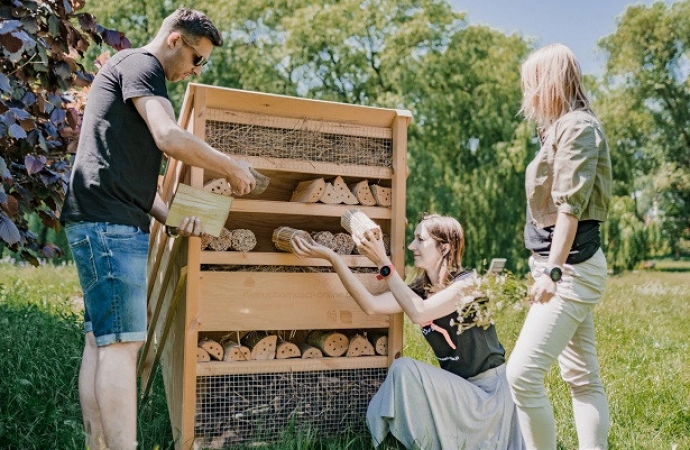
{"x":444,"y":230}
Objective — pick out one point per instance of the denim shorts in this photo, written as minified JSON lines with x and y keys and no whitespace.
{"x":111,"y":263}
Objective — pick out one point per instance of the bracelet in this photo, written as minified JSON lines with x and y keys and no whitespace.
{"x":171,"y":231}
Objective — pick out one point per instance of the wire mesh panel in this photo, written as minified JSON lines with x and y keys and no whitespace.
{"x":298,"y":143}
{"x":238,"y":409}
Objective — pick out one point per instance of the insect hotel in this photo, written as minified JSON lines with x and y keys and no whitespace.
{"x":251,"y":339}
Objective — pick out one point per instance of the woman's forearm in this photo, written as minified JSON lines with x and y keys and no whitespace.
{"x":563,"y":237}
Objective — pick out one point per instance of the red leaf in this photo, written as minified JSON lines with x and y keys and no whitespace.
{"x":34,"y":164}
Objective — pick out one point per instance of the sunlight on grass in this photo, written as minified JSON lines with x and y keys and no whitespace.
{"x":643,"y":326}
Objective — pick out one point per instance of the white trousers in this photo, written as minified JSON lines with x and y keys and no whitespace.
{"x":563,"y":330}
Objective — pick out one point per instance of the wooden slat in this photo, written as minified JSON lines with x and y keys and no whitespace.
{"x":284,"y":106}
{"x":319,"y":168}
{"x":276,"y":259}
{"x":214,"y":368}
{"x":307,"y":209}
{"x":281,"y":301}
{"x":320,"y":126}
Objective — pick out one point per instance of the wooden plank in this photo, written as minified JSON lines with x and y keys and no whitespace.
{"x":307,"y":209}
{"x":215,"y":368}
{"x":212,"y":209}
{"x":319,"y":126}
{"x":179,"y":289}
{"x":319,"y":168}
{"x":281,"y":301}
{"x":277,"y":259}
{"x":294,"y":107}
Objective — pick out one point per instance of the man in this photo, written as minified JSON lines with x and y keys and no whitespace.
{"x":128,"y":122}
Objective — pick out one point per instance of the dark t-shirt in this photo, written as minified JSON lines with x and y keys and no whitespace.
{"x":117,"y":162}
{"x":476,"y":349}
{"x":586,"y":243}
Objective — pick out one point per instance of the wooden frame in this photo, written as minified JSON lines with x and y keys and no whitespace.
{"x":318,"y":301}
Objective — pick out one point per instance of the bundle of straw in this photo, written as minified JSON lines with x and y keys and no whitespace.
{"x":356,"y":223}
{"x":282,"y":238}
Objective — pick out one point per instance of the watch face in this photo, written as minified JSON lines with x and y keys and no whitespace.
{"x":555,"y":273}
{"x":385,"y":271}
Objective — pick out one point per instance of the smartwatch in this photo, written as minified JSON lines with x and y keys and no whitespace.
{"x":385,"y":272}
{"x":555,"y":273}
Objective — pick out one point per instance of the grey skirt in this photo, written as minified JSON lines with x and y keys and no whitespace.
{"x":425,"y":407}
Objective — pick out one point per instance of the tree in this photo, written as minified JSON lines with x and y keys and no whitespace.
{"x":646,"y":111}
{"x":40,"y":112}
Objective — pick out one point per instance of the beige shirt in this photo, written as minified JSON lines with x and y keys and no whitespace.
{"x":572,"y":171}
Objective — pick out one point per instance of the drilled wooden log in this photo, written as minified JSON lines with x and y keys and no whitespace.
{"x":218,"y":186}
{"x":356,"y":223}
{"x":343,"y":244}
{"x":243,"y":240}
{"x":202,"y":355}
{"x":360,"y":346}
{"x":330,"y":196}
{"x":381,"y":194}
{"x":309,"y":191}
{"x":214,"y":349}
{"x":344,"y":193}
{"x":286,"y":350}
{"x":380,"y":342}
{"x":282,"y":238}
{"x":331,"y":343}
{"x":363,"y":193}
{"x":234,"y":351}
{"x":262,"y":347}
{"x":309,"y":351}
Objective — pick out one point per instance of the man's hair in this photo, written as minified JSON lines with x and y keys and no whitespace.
{"x":193,"y":24}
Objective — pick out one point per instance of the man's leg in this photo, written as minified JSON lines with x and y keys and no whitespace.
{"x":116,"y":392}
{"x":87,"y":395}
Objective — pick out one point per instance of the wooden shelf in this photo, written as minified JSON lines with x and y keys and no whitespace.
{"x":318,"y":168}
{"x":275,"y":259}
{"x":214,"y":368}
{"x":309,"y":209}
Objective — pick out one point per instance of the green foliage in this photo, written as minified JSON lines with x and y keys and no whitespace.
{"x":645,"y":110}
{"x":40,"y":113}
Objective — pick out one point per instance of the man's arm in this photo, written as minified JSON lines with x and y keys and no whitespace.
{"x":182,"y":145}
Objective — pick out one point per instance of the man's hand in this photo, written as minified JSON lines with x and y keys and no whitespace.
{"x":239,"y":177}
{"x":190,"y":226}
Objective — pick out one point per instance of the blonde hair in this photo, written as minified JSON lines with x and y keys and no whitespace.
{"x":551,"y":84}
{"x":444,"y":230}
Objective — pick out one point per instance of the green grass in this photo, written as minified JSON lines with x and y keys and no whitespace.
{"x":643,"y":329}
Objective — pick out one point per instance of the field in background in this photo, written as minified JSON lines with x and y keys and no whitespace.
{"x":643,"y":331}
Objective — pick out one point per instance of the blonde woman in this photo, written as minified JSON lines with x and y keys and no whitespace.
{"x":466,"y":403}
{"x":568,"y":187}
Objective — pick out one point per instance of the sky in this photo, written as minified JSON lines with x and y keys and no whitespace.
{"x":576,"y":24}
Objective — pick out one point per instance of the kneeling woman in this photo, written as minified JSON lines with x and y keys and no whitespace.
{"x":466,"y":404}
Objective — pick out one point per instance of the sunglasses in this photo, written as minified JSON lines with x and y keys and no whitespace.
{"x":198,"y":60}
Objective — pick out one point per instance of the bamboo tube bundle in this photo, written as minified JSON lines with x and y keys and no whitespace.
{"x":243,"y":240}
{"x":343,"y":244}
{"x":380,"y":343}
{"x":309,"y":351}
{"x":234,"y":351}
{"x":262,"y":347}
{"x":356,"y":223}
{"x":282,"y":237}
{"x":221,"y":243}
{"x":331,"y":343}
{"x":324,"y":238}
{"x":363,"y":193}
{"x":286,"y":350}
{"x":213,"y":348}
{"x":359,"y":346}
{"x":202,"y":355}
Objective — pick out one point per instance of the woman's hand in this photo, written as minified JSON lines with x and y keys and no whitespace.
{"x":310,"y":249}
{"x":370,"y":244}
{"x":543,"y":289}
